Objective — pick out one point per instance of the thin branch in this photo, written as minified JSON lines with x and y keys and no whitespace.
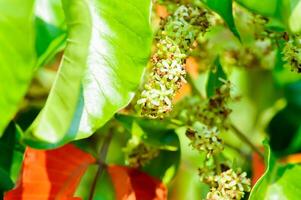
{"x":101,"y":161}
{"x":217,"y":164}
{"x":246,"y":140}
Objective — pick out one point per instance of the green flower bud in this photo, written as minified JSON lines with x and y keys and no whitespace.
{"x":292,"y":54}
{"x":140,"y":155}
{"x":206,"y":140}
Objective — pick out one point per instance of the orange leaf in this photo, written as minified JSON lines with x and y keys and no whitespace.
{"x":131,"y":184}
{"x":50,"y":174}
{"x":161,"y":11}
{"x":258,"y":167}
{"x":294,"y":158}
{"x":192,"y":66}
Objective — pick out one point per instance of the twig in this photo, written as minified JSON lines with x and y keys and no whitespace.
{"x":246,"y":140}
{"x":217,"y":164}
{"x":101,"y":161}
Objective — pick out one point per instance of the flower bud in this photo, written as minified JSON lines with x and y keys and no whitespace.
{"x":229,"y":185}
{"x":206,"y":140}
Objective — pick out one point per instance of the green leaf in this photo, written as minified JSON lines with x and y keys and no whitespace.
{"x":49,"y":40}
{"x":283,"y":128}
{"x":107,"y":39}
{"x":51,"y":12}
{"x":292,"y":94}
{"x":6,"y":183}
{"x":104,"y":186}
{"x":9,"y":160}
{"x":224,"y":9}
{"x":50,"y":28}
{"x":281,"y":181}
{"x":288,"y":119}
{"x":17,"y":55}
{"x":157,"y":134}
{"x":215,"y":76}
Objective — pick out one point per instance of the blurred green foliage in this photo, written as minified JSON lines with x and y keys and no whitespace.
{"x":267,"y":101}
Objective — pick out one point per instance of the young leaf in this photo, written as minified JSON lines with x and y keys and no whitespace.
{"x":279,"y":180}
{"x":131,"y":184}
{"x":52,"y":174}
{"x":224,"y":9}
{"x":214,"y":79}
{"x":107,"y":39}
{"x":17,"y":55}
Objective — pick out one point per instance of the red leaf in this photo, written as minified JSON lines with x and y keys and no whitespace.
{"x":131,"y":184}
{"x":258,"y":167}
{"x":50,"y":175}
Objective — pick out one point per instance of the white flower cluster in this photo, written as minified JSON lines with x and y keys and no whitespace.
{"x":176,"y":38}
{"x":185,"y":25}
{"x":165,"y":79}
{"x":229,"y":185}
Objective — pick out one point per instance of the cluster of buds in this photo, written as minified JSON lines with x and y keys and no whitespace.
{"x":217,"y":111}
{"x":292,"y":54}
{"x":185,"y":25}
{"x":229,"y":185}
{"x":140,"y":155}
{"x":212,"y":112}
{"x":207,"y":140}
{"x":168,"y":73}
{"x":165,"y":79}
{"x":259,"y":22}
{"x":260,"y":55}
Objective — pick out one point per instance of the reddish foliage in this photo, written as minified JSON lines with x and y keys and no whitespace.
{"x":131,"y":184}
{"x":294,"y":158}
{"x":51,"y":174}
{"x":161,"y":11}
{"x":258,"y":167}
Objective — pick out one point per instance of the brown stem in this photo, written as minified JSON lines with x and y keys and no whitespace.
{"x":101,"y":162}
{"x":246,"y":140}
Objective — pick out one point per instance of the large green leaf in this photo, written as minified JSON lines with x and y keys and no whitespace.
{"x":224,"y":9}
{"x":107,"y":49}
{"x":280,"y":181}
{"x":17,"y":55}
